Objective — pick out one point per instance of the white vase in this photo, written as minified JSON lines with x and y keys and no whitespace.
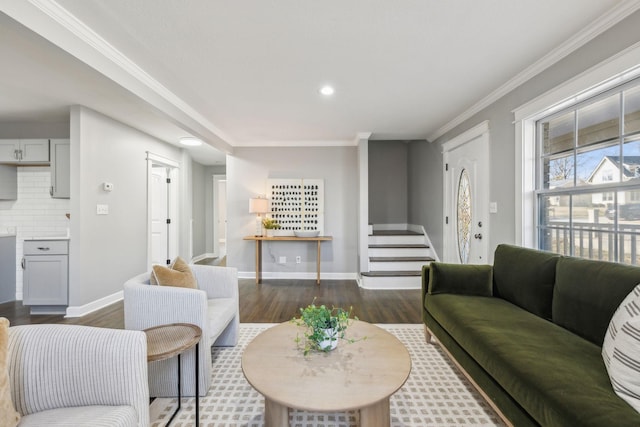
{"x":331,"y":340}
{"x":269,"y":232}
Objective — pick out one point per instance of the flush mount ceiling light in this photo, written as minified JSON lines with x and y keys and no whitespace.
{"x":190,"y":141}
{"x":327,"y":90}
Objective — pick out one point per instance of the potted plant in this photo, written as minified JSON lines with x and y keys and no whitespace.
{"x":270,"y":224}
{"x":324,"y":327}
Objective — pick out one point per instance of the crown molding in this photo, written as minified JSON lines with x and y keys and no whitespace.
{"x":597,"y":27}
{"x":89,"y":47}
{"x":298,"y":143}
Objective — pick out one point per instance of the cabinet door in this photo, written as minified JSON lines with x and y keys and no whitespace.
{"x":34,"y":150}
{"x":60,"y":169}
{"x":45,"y":280}
{"x":9,"y":150}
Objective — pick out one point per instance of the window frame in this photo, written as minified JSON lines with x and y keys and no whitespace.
{"x":618,"y":69}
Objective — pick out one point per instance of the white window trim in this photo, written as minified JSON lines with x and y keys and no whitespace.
{"x":614,"y":71}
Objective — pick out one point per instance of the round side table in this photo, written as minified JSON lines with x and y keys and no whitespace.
{"x":167,"y":341}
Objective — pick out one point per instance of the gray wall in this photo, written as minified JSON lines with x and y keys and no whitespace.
{"x":388,"y":199}
{"x":198,"y":228}
{"x":502,"y":134}
{"x":247,"y":172}
{"x":34,"y":129}
{"x":106,"y":250}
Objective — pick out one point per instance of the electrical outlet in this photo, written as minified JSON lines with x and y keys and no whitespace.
{"x":102,"y":209}
{"x":282,"y":260}
{"x":298,"y":259}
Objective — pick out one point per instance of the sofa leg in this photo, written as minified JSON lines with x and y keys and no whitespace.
{"x":427,"y":335}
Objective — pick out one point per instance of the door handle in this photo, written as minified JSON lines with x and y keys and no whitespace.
{"x":478,"y":236}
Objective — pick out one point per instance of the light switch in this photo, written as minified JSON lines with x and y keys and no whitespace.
{"x":102,"y":209}
{"x":493,"y":207}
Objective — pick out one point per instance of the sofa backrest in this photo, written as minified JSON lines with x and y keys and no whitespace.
{"x":525,"y":277}
{"x":588,"y":292}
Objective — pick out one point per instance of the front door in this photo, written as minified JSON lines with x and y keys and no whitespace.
{"x":466,"y":197}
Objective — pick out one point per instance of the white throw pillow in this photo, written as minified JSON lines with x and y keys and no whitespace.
{"x":621,"y":349}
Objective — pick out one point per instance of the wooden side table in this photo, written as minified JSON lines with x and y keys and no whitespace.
{"x":167,"y":341}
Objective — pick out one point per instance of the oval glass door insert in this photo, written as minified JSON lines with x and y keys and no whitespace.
{"x":463,"y":210}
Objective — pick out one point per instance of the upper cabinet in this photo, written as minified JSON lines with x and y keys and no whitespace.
{"x":24,"y":151}
{"x":60,"y":169}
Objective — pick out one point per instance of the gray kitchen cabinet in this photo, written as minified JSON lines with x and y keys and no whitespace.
{"x":60,"y":168}
{"x":19,"y":151}
{"x":46,"y":276}
{"x":7,"y":268}
{"x":8,"y":182}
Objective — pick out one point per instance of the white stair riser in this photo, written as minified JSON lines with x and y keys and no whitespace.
{"x":400,"y":252}
{"x":397,"y":265}
{"x":396,"y":240}
{"x":410,"y":282}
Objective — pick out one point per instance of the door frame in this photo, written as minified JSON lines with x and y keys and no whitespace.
{"x":172,"y":197}
{"x":449,"y":240}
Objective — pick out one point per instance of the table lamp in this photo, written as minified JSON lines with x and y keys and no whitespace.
{"x":258,"y":206}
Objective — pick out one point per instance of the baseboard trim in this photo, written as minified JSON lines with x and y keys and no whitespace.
{"x":83,"y":310}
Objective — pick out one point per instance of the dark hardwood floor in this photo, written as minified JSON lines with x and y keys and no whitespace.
{"x":272,"y":301}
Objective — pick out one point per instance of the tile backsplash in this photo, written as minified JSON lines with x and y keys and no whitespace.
{"x":34,"y":213}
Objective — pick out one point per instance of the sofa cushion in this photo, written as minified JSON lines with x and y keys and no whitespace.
{"x":621,"y":349}
{"x":8,"y":415}
{"x":582,"y":301}
{"x":465,"y":279}
{"x":525,"y":277}
{"x":556,"y":376}
{"x":177,"y":274}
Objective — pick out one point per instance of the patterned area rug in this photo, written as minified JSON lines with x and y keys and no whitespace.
{"x":436,"y":394}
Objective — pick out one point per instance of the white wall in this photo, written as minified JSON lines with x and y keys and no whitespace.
{"x":247,"y":172}
{"x":106,"y":250}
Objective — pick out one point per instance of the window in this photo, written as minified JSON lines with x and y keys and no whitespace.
{"x":587,"y":185}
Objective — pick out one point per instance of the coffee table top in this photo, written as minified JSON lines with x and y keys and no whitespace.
{"x":352,"y":376}
{"x":166,"y":341}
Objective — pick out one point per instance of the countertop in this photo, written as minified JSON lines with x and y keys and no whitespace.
{"x":48,"y":238}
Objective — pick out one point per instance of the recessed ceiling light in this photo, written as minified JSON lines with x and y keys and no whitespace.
{"x":190,"y":141}
{"x":327,"y":90}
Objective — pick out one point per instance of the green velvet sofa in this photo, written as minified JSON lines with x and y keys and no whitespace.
{"x":528,"y":331}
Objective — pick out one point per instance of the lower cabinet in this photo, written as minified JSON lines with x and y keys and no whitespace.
{"x":46,"y":276}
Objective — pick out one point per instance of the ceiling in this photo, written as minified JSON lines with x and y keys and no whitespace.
{"x":247,"y":72}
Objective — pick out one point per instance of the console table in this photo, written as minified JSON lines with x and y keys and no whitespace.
{"x":260,"y":239}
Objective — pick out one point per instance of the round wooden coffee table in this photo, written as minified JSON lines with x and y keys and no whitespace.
{"x":355,"y":376}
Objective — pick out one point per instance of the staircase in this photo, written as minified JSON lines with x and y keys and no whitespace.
{"x":396,"y":258}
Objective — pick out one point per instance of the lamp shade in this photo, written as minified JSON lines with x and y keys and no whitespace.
{"x":258,"y":205}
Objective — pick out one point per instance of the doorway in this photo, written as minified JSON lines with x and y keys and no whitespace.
{"x":219,"y":215}
{"x":466,"y":197}
{"x":162,"y":209}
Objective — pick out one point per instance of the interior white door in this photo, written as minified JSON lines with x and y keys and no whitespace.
{"x":159,"y":215}
{"x":466,"y":199}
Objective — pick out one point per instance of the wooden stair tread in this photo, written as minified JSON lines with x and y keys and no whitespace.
{"x":395,"y":233}
{"x":399,"y":246}
{"x":392,"y":273}
{"x":400,"y":259}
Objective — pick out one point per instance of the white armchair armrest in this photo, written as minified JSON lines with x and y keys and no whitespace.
{"x":61,"y":366}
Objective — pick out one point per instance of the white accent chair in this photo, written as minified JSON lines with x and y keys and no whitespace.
{"x":214,"y":307}
{"x":71,"y":375}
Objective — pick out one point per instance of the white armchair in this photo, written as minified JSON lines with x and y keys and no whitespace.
{"x":70,"y":375}
{"x":214,"y":307}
